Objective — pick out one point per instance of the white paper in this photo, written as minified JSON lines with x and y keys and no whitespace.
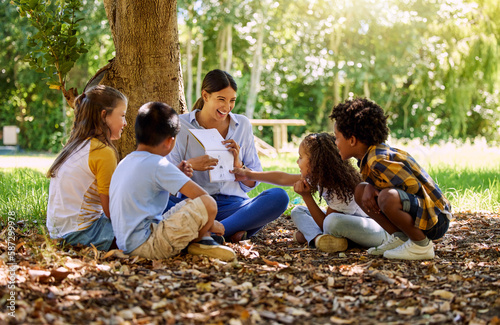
{"x":211,"y":141}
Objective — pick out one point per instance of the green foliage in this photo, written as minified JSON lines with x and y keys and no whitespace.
{"x":431,"y":64}
{"x":55,"y":46}
{"x":38,"y":111}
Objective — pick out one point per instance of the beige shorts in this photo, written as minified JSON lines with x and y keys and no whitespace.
{"x":181,"y":224}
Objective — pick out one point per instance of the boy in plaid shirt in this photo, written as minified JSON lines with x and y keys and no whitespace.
{"x":397,"y":192}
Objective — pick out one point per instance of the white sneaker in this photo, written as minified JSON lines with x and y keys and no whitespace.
{"x":389,"y":244}
{"x":411,"y":251}
{"x":330,"y":244}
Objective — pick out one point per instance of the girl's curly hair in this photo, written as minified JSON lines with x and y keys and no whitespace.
{"x":362,"y":119}
{"x":327,"y":171}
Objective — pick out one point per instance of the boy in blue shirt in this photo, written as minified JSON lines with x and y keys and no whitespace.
{"x":140,"y":189}
{"x":397,"y":192}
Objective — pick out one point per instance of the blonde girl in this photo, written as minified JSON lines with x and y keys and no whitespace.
{"x":322,"y":170}
{"x":78,"y":204}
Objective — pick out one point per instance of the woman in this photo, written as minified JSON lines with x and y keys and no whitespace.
{"x":241,"y":216}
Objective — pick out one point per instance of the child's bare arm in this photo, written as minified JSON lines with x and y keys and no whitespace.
{"x":369,"y":198}
{"x":105,"y":204}
{"x":272,"y":177}
{"x":192,"y":190}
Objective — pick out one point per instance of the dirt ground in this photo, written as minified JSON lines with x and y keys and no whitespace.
{"x":273,"y":281}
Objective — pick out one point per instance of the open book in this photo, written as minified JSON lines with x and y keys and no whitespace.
{"x":211,"y":141}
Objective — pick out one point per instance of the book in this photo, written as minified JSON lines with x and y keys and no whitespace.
{"x":211,"y":141}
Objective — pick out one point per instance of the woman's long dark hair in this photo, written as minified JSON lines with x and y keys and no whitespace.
{"x":328,"y":172}
{"x":89,"y":122}
{"x":214,"y":81}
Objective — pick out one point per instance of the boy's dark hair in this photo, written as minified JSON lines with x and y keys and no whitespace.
{"x":155,"y":122}
{"x":362,"y":119}
{"x":328,"y":172}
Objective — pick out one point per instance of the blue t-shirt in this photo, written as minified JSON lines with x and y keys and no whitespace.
{"x":139,"y":192}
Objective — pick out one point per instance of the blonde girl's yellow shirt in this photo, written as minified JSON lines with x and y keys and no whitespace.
{"x":74,"y":202}
{"x":387,"y":167}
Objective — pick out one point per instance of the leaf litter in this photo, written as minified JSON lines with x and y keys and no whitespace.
{"x":273,"y":281}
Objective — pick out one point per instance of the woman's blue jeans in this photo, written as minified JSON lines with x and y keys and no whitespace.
{"x":237,"y":213}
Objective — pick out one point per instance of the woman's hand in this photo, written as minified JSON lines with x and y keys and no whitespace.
{"x":217,"y":228}
{"x":203,"y":163}
{"x":186,"y":168}
{"x":302,"y":187}
{"x":369,"y":199}
{"x":234,"y":148}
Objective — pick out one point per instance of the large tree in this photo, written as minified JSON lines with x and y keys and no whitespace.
{"x":147,"y":62}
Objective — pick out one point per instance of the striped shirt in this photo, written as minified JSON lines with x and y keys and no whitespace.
{"x":74,"y":202}
{"x":386,"y":167}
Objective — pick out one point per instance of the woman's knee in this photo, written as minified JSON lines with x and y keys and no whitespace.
{"x":279,"y":196}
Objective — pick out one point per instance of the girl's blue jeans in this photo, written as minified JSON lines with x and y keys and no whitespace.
{"x":361,"y":230}
{"x":237,"y":213}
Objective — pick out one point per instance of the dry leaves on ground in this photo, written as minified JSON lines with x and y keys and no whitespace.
{"x":274,"y":281}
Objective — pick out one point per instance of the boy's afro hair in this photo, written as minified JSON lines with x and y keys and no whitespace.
{"x":362,"y":119}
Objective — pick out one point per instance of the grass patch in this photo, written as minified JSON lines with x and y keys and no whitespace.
{"x":468,"y":175}
{"x":24,"y":193}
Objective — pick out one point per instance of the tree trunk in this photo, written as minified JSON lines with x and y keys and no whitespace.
{"x":220,"y":47}
{"x":229,"y":48}
{"x":366,"y":88}
{"x":189,"y":72}
{"x":255,"y":76}
{"x":198,"y":69}
{"x":147,"y":64}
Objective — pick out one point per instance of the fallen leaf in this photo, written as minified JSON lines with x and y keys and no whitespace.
{"x":443,"y":294}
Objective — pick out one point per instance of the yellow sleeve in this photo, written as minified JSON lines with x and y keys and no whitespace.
{"x":102,"y":163}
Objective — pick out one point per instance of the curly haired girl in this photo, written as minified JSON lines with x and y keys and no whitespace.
{"x":322,"y":170}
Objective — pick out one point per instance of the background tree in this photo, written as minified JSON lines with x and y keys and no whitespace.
{"x":432,"y":64}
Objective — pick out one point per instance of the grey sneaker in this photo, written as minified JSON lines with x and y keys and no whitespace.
{"x":411,"y":251}
{"x":330,"y":244}
{"x":389,"y":244}
{"x":210,"y":248}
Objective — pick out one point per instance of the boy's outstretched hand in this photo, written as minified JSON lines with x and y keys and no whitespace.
{"x":240,"y":174}
{"x":217,"y":228}
{"x":186,"y":168}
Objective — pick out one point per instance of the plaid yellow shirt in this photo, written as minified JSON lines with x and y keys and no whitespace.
{"x":386,"y":167}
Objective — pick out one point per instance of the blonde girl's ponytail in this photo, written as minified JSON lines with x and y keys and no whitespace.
{"x":88,"y":121}
{"x":214,"y":81}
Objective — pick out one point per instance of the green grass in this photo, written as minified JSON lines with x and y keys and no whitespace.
{"x":23,"y":193}
{"x":469,"y":176}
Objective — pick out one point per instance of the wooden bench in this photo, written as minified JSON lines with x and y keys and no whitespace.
{"x":280,"y":132}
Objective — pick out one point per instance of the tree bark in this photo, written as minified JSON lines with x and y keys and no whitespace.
{"x":198,"y":68}
{"x":189,"y":72}
{"x":220,"y":47}
{"x":255,"y":76}
{"x":147,"y":64}
{"x":229,"y":47}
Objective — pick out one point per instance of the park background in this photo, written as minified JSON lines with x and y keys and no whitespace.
{"x":431,"y":64}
